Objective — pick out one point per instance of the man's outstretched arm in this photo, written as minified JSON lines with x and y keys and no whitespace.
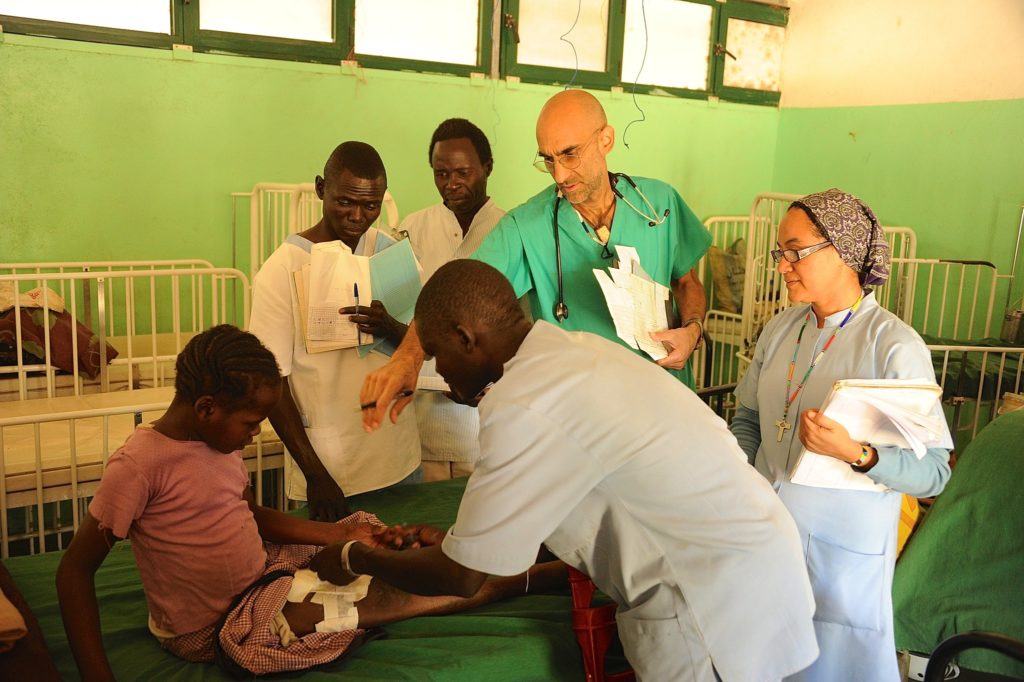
{"x":384,"y":385}
{"x":426,"y":571}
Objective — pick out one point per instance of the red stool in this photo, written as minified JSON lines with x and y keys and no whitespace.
{"x":595,"y":629}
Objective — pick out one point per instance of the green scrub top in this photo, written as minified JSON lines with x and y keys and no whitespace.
{"x":522,"y":246}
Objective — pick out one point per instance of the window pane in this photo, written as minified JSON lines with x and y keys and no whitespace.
{"x":678,"y":43}
{"x":299,"y":19}
{"x":542,"y":23}
{"x":433,"y":31}
{"x":758,"y":50}
{"x":138,"y":15}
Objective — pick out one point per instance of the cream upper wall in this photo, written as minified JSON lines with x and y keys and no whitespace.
{"x":872,"y":52}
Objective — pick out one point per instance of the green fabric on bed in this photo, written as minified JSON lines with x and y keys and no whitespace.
{"x":962,"y":570}
{"x":527,"y":638}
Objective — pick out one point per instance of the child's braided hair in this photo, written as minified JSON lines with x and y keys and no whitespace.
{"x":224,"y":362}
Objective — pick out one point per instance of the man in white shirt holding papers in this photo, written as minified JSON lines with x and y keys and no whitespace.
{"x":317,"y":419}
{"x":460,"y":159}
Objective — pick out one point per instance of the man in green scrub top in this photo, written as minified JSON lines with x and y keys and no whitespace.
{"x":596,"y":212}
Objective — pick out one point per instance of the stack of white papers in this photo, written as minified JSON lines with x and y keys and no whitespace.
{"x":336,"y":276}
{"x":638,"y":305}
{"x":906,"y":413}
{"x":332,"y":280}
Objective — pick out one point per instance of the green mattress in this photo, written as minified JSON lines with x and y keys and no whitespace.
{"x":527,"y":638}
{"x":964,"y":568}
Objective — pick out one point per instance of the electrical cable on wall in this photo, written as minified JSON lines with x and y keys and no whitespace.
{"x":494,"y":91}
{"x":643,"y":61}
{"x":575,"y":55}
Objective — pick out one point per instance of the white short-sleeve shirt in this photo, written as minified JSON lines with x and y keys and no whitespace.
{"x":622,"y":472}
{"x":448,"y":431}
{"x":326,"y":386}
{"x":437,"y":237}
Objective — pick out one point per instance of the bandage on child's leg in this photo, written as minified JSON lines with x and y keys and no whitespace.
{"x":338,"y":601}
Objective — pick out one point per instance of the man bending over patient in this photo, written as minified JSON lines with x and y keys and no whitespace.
{"x":620,"y":471}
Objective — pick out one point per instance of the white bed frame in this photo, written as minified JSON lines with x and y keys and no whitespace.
{"x":714,"y":364}
{"x":53,"y":447}
{"x":277,"y":210}
{"x":147,"y":312}
{"x":941,"y":297}
{"x":969,"y":407}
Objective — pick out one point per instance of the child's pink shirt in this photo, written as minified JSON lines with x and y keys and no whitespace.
{"x":195,"y":540}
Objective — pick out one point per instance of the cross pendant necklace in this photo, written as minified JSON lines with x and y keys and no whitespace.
{"x":783,"y":427}
{"x":783,"y":424}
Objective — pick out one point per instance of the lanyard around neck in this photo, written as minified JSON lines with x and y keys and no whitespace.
{"x":792,"y":363}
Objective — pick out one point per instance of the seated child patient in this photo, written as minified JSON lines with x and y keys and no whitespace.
{"x":216,"y":568}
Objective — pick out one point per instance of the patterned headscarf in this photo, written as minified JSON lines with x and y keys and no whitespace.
{"x":853,"y":230}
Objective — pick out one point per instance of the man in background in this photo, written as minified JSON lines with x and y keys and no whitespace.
{"x":461,"y":162}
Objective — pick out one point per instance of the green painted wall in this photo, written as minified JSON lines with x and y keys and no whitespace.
{"x":115,"y":152}
{"x":954,"y":172}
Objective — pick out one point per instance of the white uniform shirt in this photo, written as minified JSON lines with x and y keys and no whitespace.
{"x":448,"y":431}
{"x":326,"y":386}
{"x":437,"y":238}
{"x":626,"y":475}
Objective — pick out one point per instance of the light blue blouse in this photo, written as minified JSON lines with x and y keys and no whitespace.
{"x":875,"y":344}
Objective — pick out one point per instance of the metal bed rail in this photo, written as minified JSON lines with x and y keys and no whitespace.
{"x":948,"y":298}
{"x":150,"y":314}
{"x":974,"y":380}
{"x":713,"y":363}
{"x":50,"y":481}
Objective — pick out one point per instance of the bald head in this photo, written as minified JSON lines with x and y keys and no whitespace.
{"x":573,"y":139}
{"x":572,"y":109}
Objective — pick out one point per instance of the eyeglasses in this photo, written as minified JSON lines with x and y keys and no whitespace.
{"x":792,"y":255}
{"x":569,"y":160}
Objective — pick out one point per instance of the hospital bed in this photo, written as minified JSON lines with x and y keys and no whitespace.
{"x":721,"y":271}
{"x":952,"y":304}
{"x":526,"y":638}
{"x":277,"y":210}
{"x":57,"y":428}
{"x":34,"y":380}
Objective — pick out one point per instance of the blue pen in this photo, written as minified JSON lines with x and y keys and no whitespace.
{"x":359,"y":332}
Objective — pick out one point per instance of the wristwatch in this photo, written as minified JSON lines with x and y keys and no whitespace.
{"x":864,"y":459}
{"x":700,"y":327}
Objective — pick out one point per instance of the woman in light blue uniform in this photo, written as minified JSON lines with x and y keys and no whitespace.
{"x":831,"y":252}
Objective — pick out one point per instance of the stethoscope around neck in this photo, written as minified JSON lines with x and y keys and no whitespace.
{"x":561,"y":310}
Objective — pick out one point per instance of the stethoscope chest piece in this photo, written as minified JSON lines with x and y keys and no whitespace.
{"x":561,"y":311}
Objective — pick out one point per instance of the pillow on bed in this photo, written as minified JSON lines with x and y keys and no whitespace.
{"x":33,"y":341}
